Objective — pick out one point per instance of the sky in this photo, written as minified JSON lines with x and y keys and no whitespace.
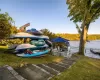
{"x":50,"y":14}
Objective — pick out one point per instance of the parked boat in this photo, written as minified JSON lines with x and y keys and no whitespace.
{"x":34,"y":53}
{"x":37,"y":45}
{"x":95,"y":52}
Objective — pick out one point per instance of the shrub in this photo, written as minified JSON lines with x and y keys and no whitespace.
{"x":11,"y":41}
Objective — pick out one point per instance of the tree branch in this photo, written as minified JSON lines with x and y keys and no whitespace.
{"x":95,"y":13}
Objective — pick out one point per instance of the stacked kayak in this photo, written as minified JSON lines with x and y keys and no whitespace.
{"x":35,"y":48}
{"x":34,"y":53}
{"x":37,"y":45}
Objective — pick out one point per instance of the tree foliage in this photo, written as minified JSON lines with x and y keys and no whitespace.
{"x":78,"y":8}
{"x":5,"y":25}
{"x":78,"y":28}
{"x":84,"y":11}
{"x":48,"y":33}
{"x":14,"y":30}
{"x":77,"y":36}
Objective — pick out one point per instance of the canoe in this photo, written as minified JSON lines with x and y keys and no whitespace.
{"x":95,"y":52}
{"x":34,"y":54}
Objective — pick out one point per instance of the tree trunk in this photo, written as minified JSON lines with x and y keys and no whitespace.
{"x":83,"y":38}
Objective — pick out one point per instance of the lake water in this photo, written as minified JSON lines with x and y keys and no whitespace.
{"x":92,"y":44}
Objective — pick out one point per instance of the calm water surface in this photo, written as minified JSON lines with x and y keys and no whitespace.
{"x":92,"y":44}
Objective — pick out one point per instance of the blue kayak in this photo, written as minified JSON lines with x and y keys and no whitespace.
{"x":33,"y":54}
{"x":35,"y":48}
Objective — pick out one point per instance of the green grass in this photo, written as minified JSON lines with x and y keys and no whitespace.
{"x":84,"y":69}
{"x":14,"y":61}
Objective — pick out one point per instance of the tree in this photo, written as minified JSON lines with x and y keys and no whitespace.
{"x":84,"y":11}
{"x":14,"y":30}
{"x":5,"y":25}
{"x":48,"y":33}
{"x":79,"y":29}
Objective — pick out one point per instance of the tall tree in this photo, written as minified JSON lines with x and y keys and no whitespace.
{"x":5,"y":25}
{"x":84,"y":11}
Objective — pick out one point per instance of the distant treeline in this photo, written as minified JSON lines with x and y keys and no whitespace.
{"x":77,"y":36}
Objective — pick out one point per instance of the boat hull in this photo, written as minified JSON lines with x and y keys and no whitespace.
{"x":34,"y":54}
{"x":91,"y":50}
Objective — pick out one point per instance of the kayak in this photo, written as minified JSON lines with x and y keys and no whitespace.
{"x":34,"y":54}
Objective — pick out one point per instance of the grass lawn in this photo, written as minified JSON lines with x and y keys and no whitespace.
{"x":84,"y":69}
{"x":14,"y":61}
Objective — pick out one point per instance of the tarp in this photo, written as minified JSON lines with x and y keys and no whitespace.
{"x":59,"y":39}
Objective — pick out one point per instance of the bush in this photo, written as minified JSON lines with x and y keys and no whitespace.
{"x":11,"y":41}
